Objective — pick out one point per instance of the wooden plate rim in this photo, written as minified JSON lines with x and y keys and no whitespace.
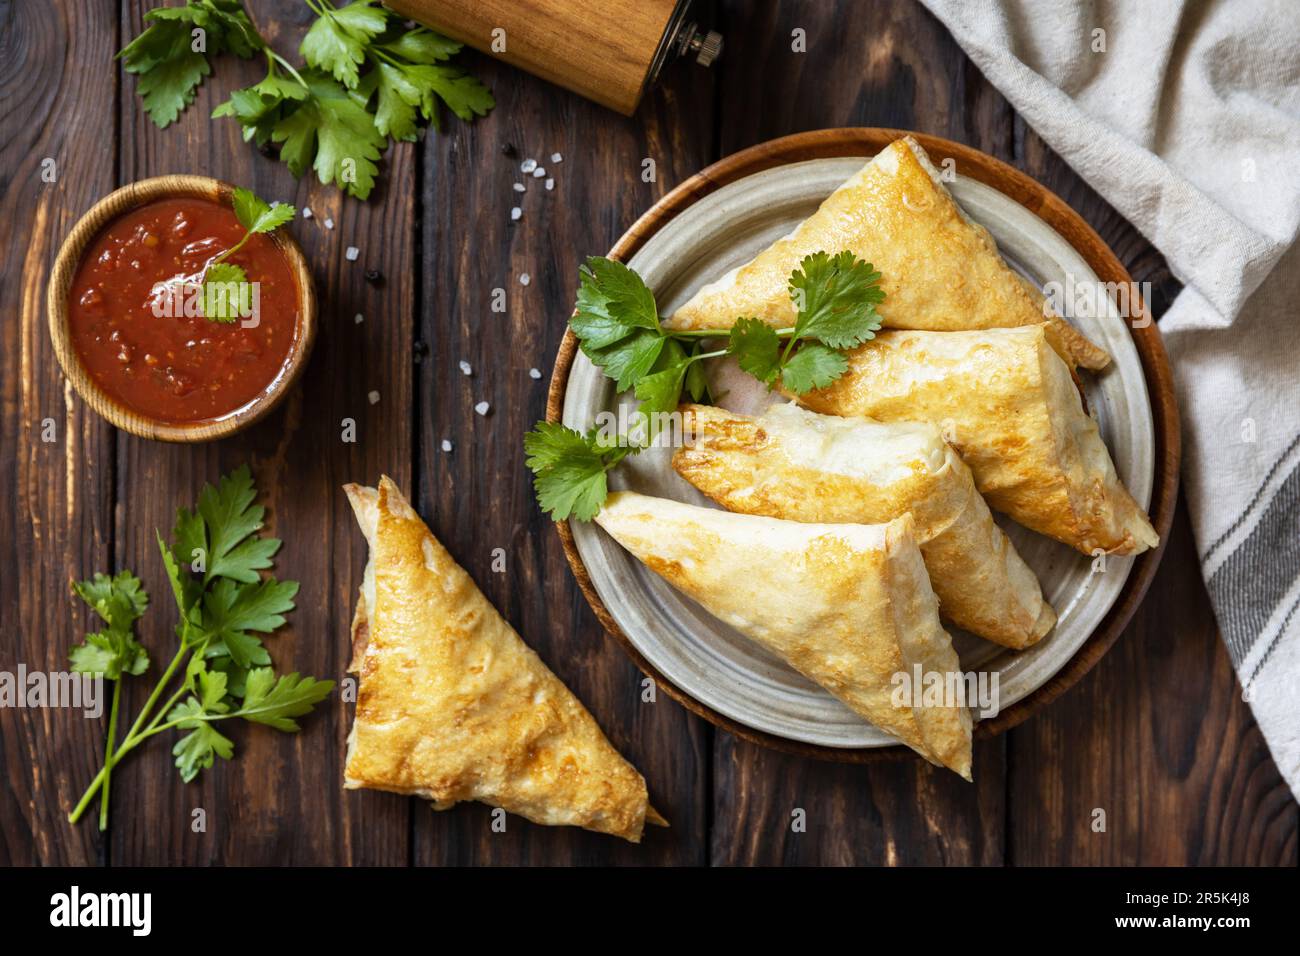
{"x":1011,"y":182}
{"x":68,"y":259}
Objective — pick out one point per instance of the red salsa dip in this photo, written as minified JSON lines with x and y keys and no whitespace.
{"x":175,"y":367}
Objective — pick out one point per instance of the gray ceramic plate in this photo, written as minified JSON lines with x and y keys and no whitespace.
{"x":712,"y":662}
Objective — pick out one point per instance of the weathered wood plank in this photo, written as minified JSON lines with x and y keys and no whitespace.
{"x":57,"y":522}
{"x":1158,"y":738}
{"x":478,"y":498}
{"x":280,"y":801}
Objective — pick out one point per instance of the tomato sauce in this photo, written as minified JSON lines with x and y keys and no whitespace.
{"x":175,"y":367}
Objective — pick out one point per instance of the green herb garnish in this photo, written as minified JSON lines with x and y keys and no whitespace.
{"x":226,"y":290}
{"x":367,"y":80}
{"x":616,"y":321}
{"x":213,"y":564}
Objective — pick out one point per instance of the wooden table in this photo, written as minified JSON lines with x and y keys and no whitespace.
{"x":1156,"y":736}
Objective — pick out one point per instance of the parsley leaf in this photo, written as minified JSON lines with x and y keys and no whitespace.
{"x":338,"y":39}
{"x":198,"y":750}
{"x":334,"y":134}
{"x":757,"y":349}
{"x":272,"y":701}
{"x":256,"y":215}
{"x":231,"y":611}
{"x":813,"y":366}
{"x":616,"y":322}
{"x":171,"y":56}
{"x":569,"y":470}
{"x":225,"y":606}
{"x":226,"y":293}
{"x":367,"y":78}
{"x":114,"y":651}
{"x":836,"y":297}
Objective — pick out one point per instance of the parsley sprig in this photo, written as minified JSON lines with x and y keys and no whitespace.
{"x":367,"y":79}
{"x":617,"y":324}
{"x":213,"y":564}
{"x":225,"y":285}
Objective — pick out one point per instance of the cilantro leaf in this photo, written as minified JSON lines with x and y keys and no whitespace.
{"x":628,"y":360}
{"x":171,"y":61}
{"x":697,"y":382}
{"x":275,"y":702}
{"x":227,"y":296}
{"x":569,"y":470}
{"x":836,"y":297}
{"x":119,"y":601}
{"x":338,"y":131}
{"x":230,"y":611}
{"x":422,"y":46}
{"x":813,"y":366}
{"x":256,"y":215}
{"x":199,"y":749}
{"x":611,"y":299}
{"x":337,"y":41}
{"x":757,"y":349}
{"x":399,"y":98}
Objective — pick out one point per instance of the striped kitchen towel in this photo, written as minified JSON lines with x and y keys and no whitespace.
{"x":1185,"y":116}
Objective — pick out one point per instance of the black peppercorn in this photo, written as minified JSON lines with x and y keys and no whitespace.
{"x":374,"y":276}
{"x":508,"y":149}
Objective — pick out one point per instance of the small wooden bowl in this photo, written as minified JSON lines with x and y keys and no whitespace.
{"x":65,"y":269}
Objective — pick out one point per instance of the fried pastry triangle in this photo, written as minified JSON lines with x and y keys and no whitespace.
{"x":849,"y":606}
{"x":454,"y":706}
{"x":940,"y":270}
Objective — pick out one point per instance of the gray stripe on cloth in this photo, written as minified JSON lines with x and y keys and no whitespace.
{"x":1259,"y":493}
{"x":1251,"y":583}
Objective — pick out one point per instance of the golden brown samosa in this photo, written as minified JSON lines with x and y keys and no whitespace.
{"x":1010,"y":407}
{"x":454,"y":706}
{"x":849,"y":606}
{"x":795,"y":464}
{"x":940,"y":271}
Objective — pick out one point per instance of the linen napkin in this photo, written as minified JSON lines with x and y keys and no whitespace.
{"x":1185,"y":116}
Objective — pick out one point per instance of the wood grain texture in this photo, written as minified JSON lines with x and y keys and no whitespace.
{"x":1157,"y":734}
{"x":478,"y":498}
{"x":280,"y":801}
{"x":57,"y":520}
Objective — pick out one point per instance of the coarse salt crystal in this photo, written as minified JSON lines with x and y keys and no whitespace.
{"x":358,"y":318}
{"x":446,"y":445}
{"x":306,"y":212}
{"x":539,"y":172}
{"x":528,"y":165}
{"x":525,"y":278}
{"x":515,"y":213}
{"x":556,"y":158}
{"x":520,"y":187}
{"x":482,"y":408}
{"x":329,"y":223}
{"x":464,"y":367}
{"x":351,"y":253}
{"x":550,"y":184}
{"x":374,"y":398}
{"x":534,"y":373}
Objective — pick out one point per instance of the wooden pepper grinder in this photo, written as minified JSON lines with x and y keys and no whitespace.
{"x":610,"y":51}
